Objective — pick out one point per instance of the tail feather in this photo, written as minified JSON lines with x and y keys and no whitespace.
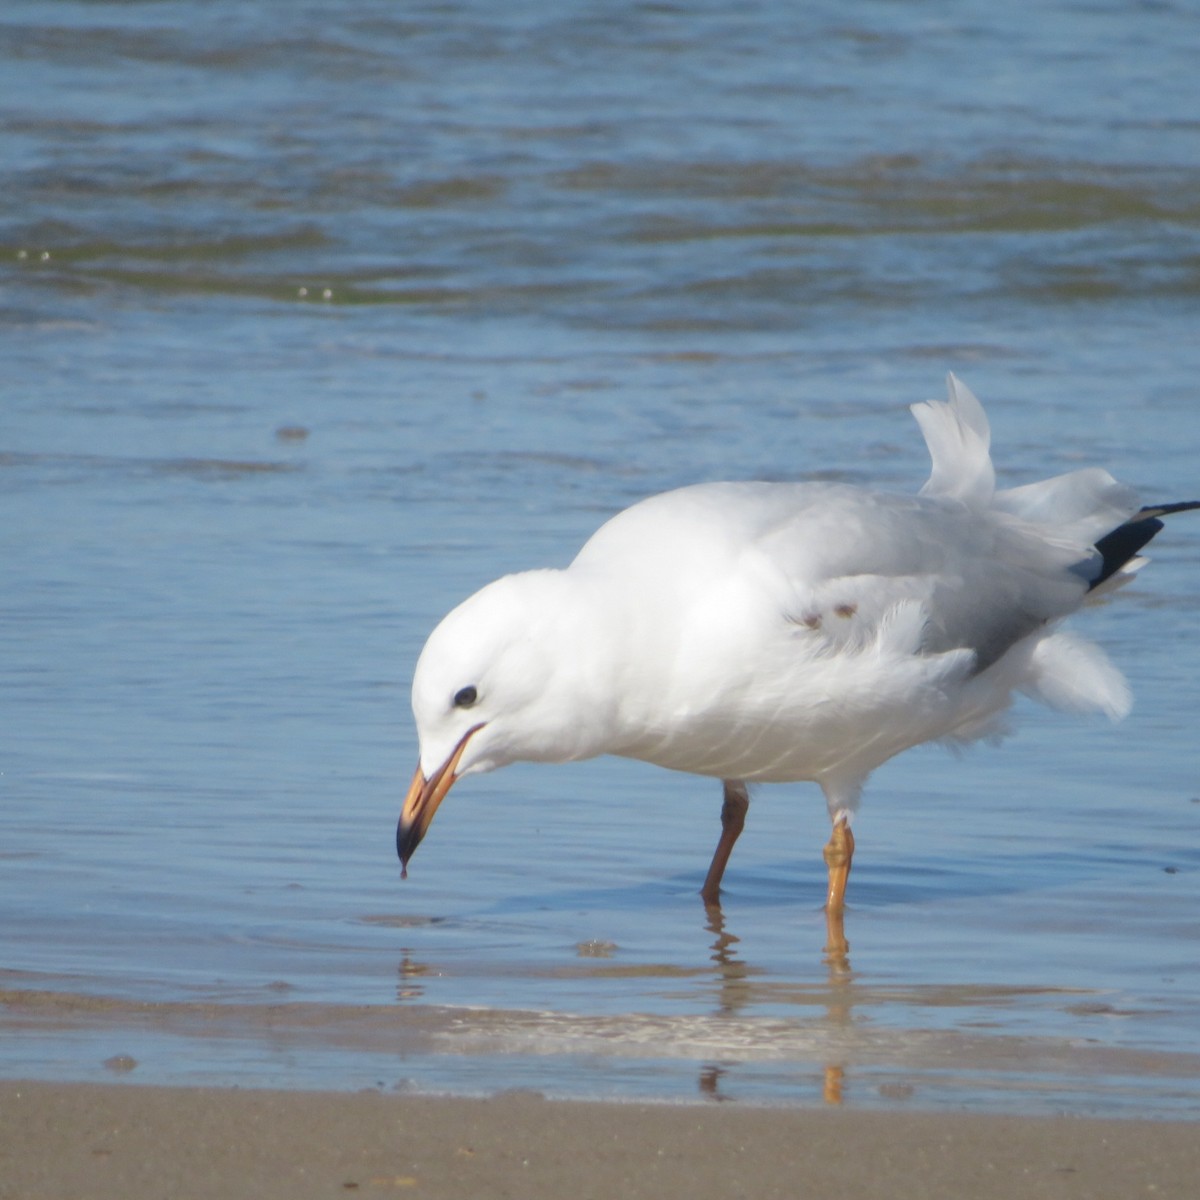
{"x":957,"y":434}
{"x":1123,"y":543}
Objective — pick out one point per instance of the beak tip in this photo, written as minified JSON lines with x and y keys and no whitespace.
{"x":424,"y":796}
{"x":408,"y":838}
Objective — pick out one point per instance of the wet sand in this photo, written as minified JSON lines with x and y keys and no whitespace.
{"x":133,"y":1142}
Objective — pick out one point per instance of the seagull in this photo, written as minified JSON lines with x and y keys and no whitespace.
{"x":781,"y":632}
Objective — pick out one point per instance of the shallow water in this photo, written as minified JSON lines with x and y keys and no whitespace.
{"x":308,"y":332}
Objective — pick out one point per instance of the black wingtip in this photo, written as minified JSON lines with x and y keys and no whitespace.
{"x":1166,"y":510}
{"x":1118,"y":547}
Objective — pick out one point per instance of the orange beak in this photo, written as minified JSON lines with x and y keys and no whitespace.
{"x":424,"y":796}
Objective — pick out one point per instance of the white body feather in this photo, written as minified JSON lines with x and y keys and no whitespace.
{"x":773,"y":632}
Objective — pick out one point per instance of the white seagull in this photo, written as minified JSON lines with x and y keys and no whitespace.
{"x":772,"y":632}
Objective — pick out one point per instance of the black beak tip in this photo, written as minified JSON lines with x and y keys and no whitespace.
{"x":407,"y":840}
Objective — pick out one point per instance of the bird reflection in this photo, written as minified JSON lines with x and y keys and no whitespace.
{"x":732,"y":973}
{"x":736,"y":993}
{"x":739,"y":987}
{"x":410,"y":971}
{"x":710,"y":1082}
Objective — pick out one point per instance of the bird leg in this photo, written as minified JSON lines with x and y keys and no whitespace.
{"x":839,"y":852}
{"x":733,"y":819}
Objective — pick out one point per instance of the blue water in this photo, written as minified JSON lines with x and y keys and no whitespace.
{"x":311,"y":327}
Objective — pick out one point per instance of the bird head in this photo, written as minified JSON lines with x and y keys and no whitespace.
{"x":499,"y":681}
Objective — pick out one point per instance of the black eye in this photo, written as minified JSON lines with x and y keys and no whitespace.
{"x":465,"y":697}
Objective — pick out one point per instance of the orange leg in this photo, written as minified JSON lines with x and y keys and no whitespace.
{"x":733,"y":820}
{"x":839,"y":852}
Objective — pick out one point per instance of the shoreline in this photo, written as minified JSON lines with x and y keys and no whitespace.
{"x":429,"y":1050}
{"x":139,"y":1141}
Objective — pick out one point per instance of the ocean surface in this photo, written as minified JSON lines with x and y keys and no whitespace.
{"x":316,"y":317}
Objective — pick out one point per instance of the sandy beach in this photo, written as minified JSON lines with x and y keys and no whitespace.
{"x":134,"y":1142}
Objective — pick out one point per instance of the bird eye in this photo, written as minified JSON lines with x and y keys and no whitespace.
{"x":465,"y":697}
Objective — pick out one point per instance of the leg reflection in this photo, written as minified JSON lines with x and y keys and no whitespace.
{"x":732,"y":973}
{"x":737,"y":993}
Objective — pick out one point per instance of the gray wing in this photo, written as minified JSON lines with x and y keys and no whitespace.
{"x":985,"y":579}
